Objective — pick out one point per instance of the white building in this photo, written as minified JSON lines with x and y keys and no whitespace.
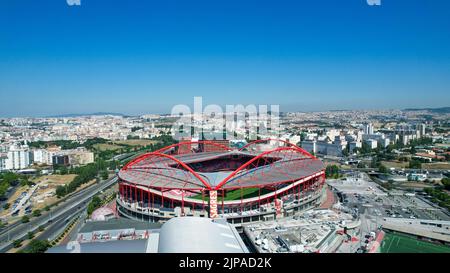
{"x":422,"y":129}
{"x":354,"y":144}
{"x":3,"y":158}
{"x":372,"y":143}
{"x":44,"y":156}
{"x":309,"y":146}
{"x":294,"y":139}
{"x":380,"y":138}
{"x":368,"y":129}
{"x":325,"y":147}
{"x":18,"y":158}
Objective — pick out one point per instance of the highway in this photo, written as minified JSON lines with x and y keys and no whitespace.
{"x":55,"y":218}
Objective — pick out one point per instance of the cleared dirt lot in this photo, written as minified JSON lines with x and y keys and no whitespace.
{"x":44,"y":194}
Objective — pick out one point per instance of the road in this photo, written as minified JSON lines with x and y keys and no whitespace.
{"x":52,"y":219}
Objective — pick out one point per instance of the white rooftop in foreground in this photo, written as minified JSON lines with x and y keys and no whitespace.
{"x":434,"y":229}
{"x":178,"y":235}
{"x":199,"y":235}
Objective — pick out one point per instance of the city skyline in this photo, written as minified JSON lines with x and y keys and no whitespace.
{"x":136,"y":58}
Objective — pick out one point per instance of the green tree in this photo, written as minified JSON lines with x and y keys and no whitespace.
{"x":365,"y":149}
{"x":23,"y":182}
{"x":6,"y":206}
{"x":60,"y":191}
{"x":95,"y":203}
{"x":332,"y":171}
{"x":17,"y":243}
{"x":30,"y":235}
{"x":104,"y":175}
{"x":415,"y":164}
{"x":446,"y":182}
{"x":36,"y":213}
{"x":38,"y":246}
{"x":25,"y":219}
{"x":383,"y":169}
{"x":361,"y":165}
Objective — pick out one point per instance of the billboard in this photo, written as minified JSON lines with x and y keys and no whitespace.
{"x":213,"y":204}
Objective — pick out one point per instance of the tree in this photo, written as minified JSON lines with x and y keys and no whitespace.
{"x":6,"y":206}
{"x":17,"y":243}
{"x":25,"y":219}
{"x":104,"y":175}
{"x":365,"y":149}
{"x":23,"y":182}
{"x":345,"y":152}
{"x":37,"y":213}
{"x":361,"y":165}
{"x":60,"y":191}
{"x":383,"y":169}
{"x":95,"y":203}
{"x":332,"y":171}
{"x":446,"y":182}
{"x":415,"y":164}
{"x":38,"y":246}
{"x":30,"y":235}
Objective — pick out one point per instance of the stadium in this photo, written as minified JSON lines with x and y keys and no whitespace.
{"x":260,"y":181}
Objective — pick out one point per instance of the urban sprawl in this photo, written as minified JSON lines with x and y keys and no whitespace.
{"x":387,"y":180}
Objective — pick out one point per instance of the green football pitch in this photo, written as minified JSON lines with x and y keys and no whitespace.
{"x":400,"y":243}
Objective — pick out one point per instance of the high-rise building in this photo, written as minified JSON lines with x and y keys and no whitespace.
{"x":422,"y":129}
{"x":373,"y":144}
{"x":18,"y":158}
{"x":368,"y":129}
{"x":3,"y":159}
{"x":45,"y":156}
{"x":62,"y":160}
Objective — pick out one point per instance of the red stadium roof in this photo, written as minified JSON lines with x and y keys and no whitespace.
{"x":207,"y":165}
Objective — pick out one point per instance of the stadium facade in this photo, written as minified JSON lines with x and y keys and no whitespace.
{"x":261,"y":181}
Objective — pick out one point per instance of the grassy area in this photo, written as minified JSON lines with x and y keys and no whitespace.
{"x":117,"y":145}
{"x":436,"y":166}
{"x":415,"y":185}
{"x":400,"y":243}
{"x":395,"y":164}
{"x":106,"y":147}
{"x":236,"y":194}
{"x":136,"y":142}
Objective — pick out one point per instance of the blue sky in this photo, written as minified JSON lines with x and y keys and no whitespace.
{"x":141,"y":56}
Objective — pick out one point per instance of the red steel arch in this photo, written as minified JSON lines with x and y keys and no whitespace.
{"x":144,"y":156}
{"x":186,"y":167}
{"x":195,"y":142}
{"x":279,"y":140}
{"x":224,"y":181}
